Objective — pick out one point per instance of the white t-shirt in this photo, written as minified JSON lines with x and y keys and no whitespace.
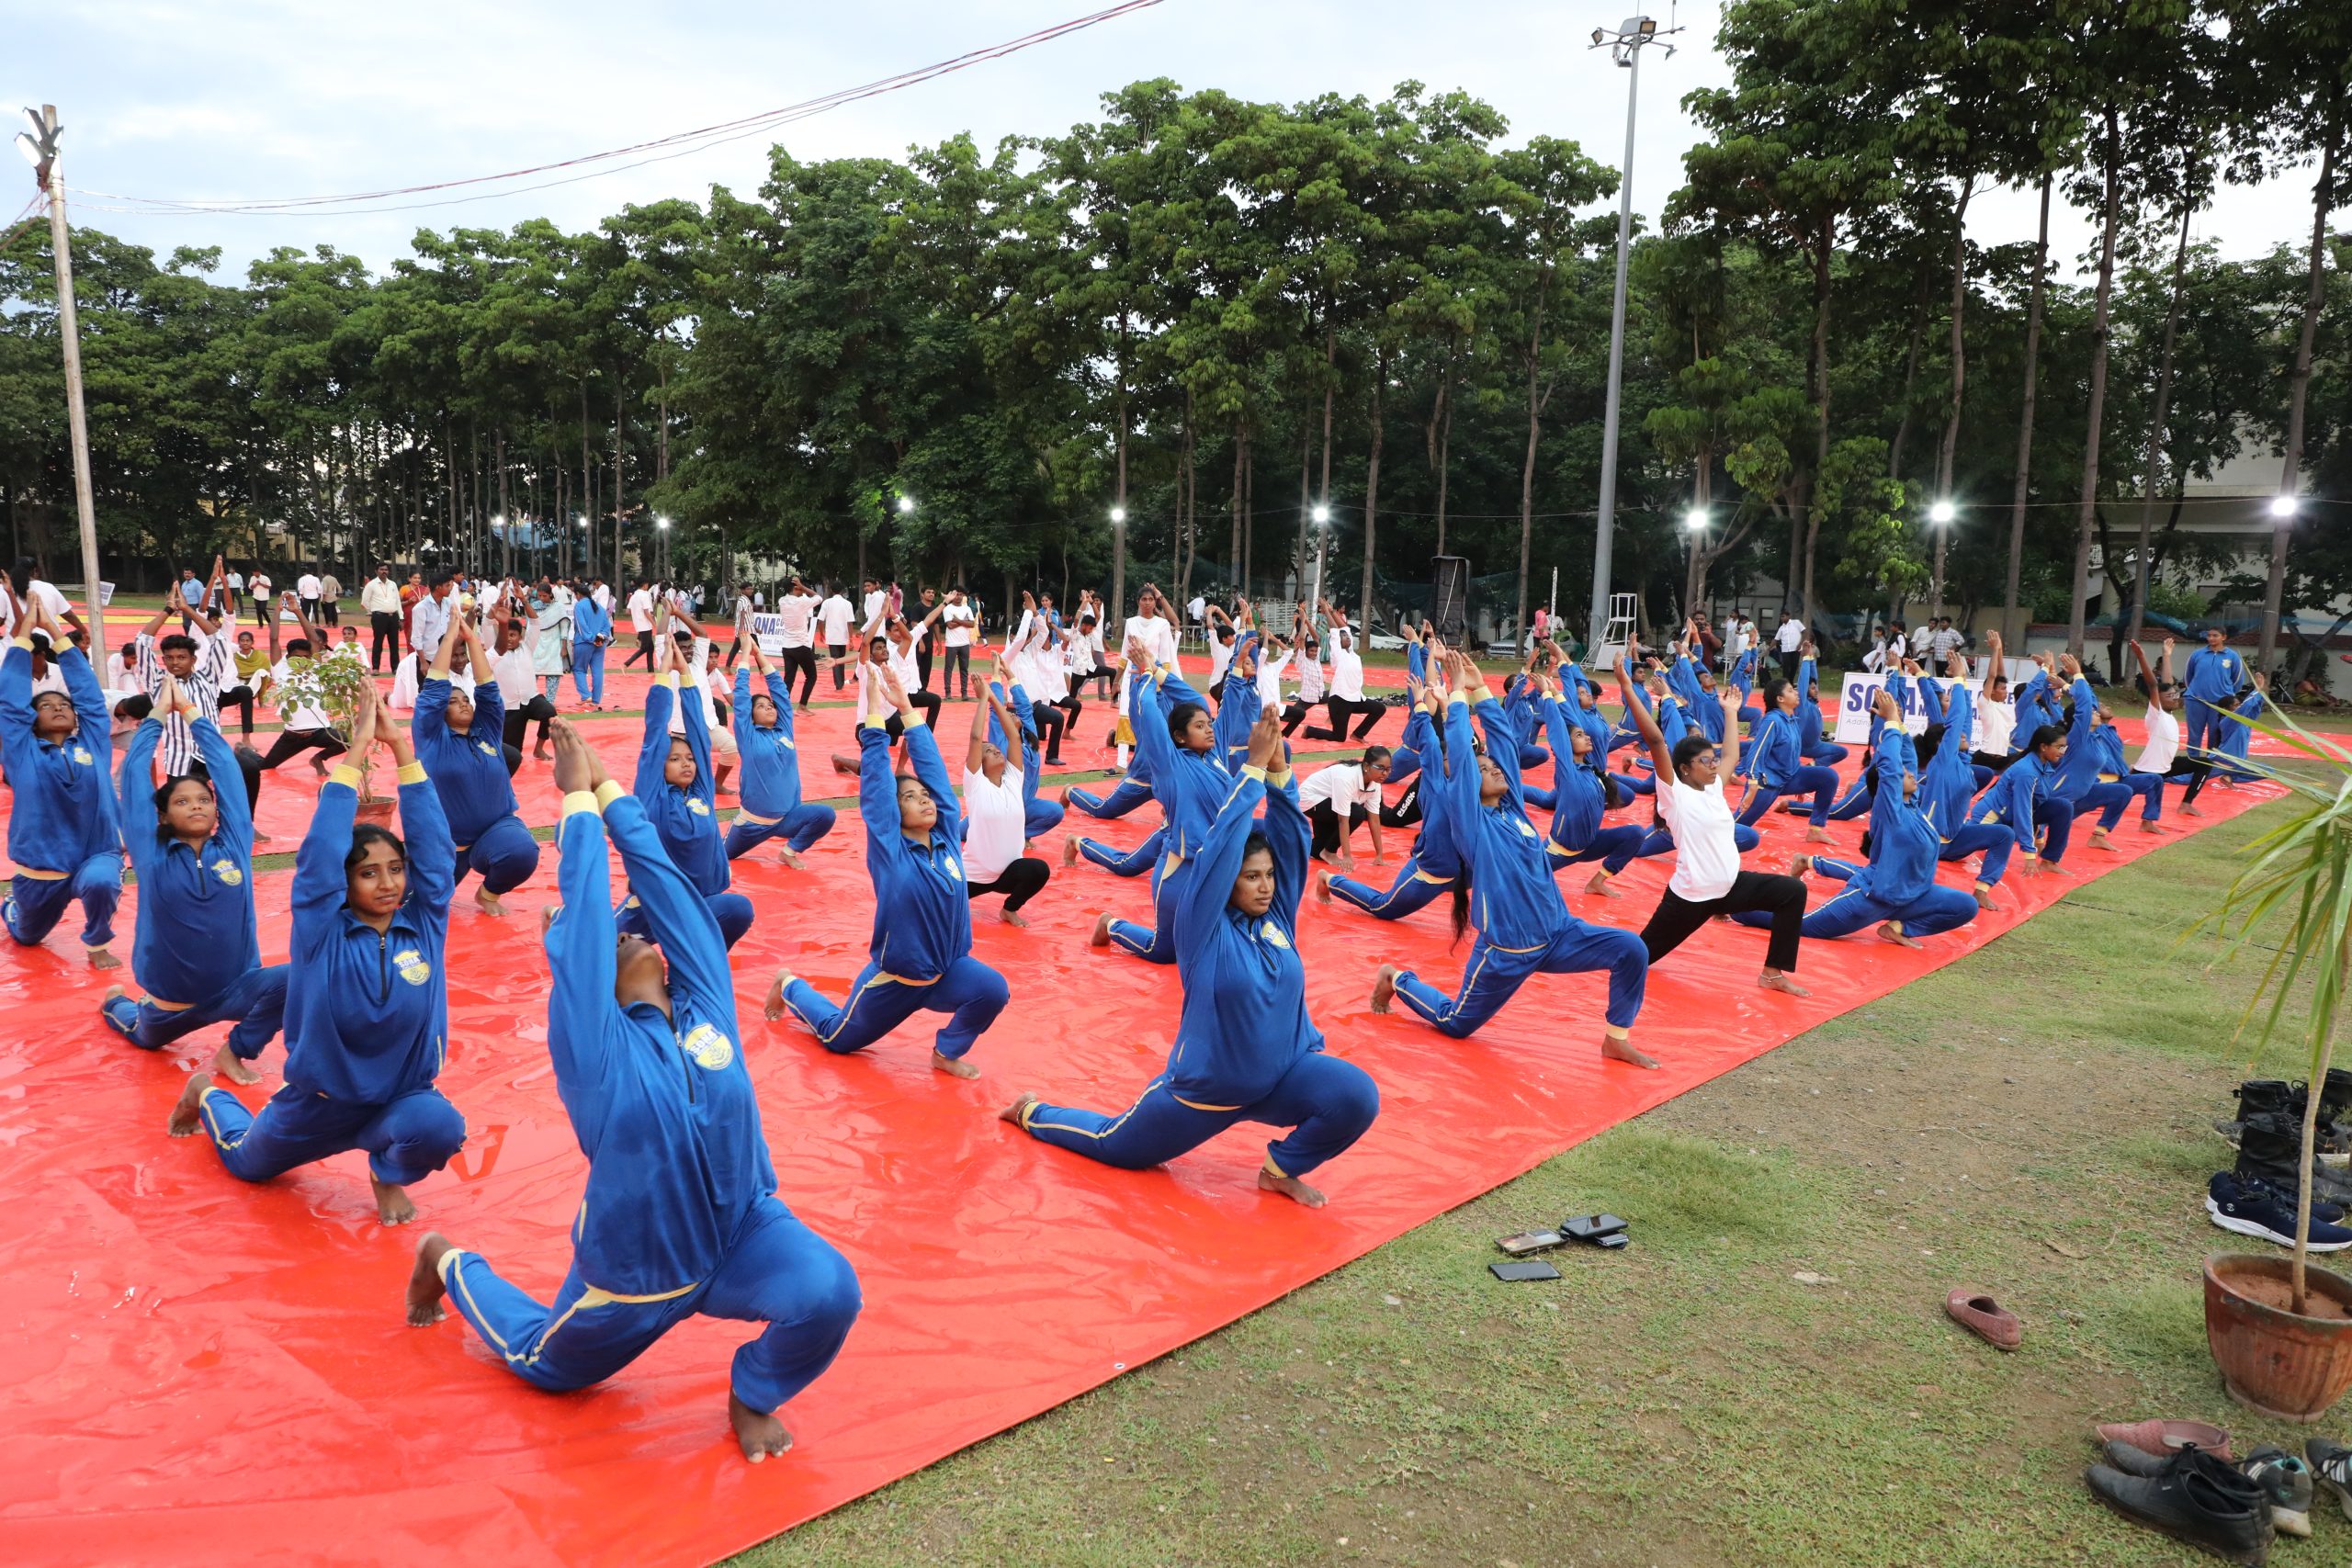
{"x":1995,"y":722}
{"x":834,"y":614}
{"x":602,"y":594}
{"x":955,"y":621}
{"x":1157,"y":635}
{"x":1342,"y":783}
{"x":798,"y":614}
{"x":695,"y":683}
{"x":2164,"y":742}
{"x":1270,"y":682}
{"x":1791,"y":635}
{"x":903,"y":665}
{"x":306,"y":586}
{"x":46,"y":595}
{"x":640,"y":611}
{"x":236,"y":583}
{"x":1706,"y":856}
{"x":875,"y":603}
{"x":997,"y":823}
{"x":1220,"y":658}
{"x":302,"y":717}
{"x":1347,"y":668}
{"x":517,"y":674}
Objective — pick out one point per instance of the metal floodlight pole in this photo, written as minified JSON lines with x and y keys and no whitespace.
{"x":52,"y":173}
{"x":1625,"y":46}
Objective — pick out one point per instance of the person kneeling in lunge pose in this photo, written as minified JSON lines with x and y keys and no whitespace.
{"x":681,"y":1215}
{"x":1245,"y":1049}
{"x":460,"y":739}
{"x":367,"y":999}
{"x":921,"y":948}
{"x":1523,"y":928}
{"x":64,"y":832}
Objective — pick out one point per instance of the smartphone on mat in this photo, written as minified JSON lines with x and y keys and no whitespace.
{"x":1535,"y":1269}
{"x":1590,"y":1227}
{"x":1525,"y":1242}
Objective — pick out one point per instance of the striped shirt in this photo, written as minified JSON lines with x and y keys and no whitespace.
{"x":215,"y":672}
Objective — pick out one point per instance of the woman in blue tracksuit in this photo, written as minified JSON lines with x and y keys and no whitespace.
{"x":64,"y":834}
{"x":770,"y":758}
{"x":193,"y":950}
{"x":461,"y":742}
{"x":1524,"y":929}
{"x":2022,"y":800}
{"x":2078,"y":782}
{"x":1776,"y":765}
{"x":367,"y":997}
{"x":1896,"y":889}
{"x":921,"y":949}
{"x":1948,"y":791}
{"x":674,"y":780}
{"x":1179,"y":739}
{"x":1245,"y":1049}
{"x":681,"y":1215}
{"x":591,"y":629}
{"x":1812,"y":744}
{"x":1579,"y":798}
{"x":1434,"y":867}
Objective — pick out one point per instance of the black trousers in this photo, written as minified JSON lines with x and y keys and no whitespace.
{"x":519,"y":719}
{"x":1295,"y":714}
{"x":1677,"y":917}
{"x":386,"y":625}
{"x":292,"y":743}
{"x":1019,"y":882}
{"x":1342,"y":709}
{"x":922,"y":664}
{"x":1331,"y":830}
{"x":330,"y":613}
{"x":242,"y":699}
{"x":929,"y":702}
{"x":800,"y":662}
{"x":1790,"y":659}
{"x":311,"y":611}
{"x":1407,"y":811}
{"x":958,"y":663}
{"x":644,"y":651}
{"x":838,"y":651}
{"x":1051,"y":722}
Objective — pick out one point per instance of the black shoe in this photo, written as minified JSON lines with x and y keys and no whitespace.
{"x":2332,"y":1467}
{"x":2256,"y":1209}
{"x":2335,"y":1112}
{"x":2198,"y":1499}
{"x":2270,"y":1150}
{"x":2285,"y":1483}
{"x":2256,"y":1098}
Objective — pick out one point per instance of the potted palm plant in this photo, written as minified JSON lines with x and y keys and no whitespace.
{"x":2280,"y":1329}
{"x":331,"y":683}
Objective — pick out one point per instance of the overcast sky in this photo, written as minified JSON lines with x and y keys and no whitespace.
{"x":278,"y":98}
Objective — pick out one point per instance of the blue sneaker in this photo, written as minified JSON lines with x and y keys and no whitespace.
{"x":2258,"y":1209}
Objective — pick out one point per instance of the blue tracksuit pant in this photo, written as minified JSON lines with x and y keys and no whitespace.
{"x":1615,"y":848}
{"x":1118,"y":803}
{"x":970,"y":993}
{"x":1126,"y":863}
{"x":1041,"y":816}
{"x":1494,"y":973}
{"x":1818,"y":781}
{"x":588,"y":673}
{"x":1413,"y":889}
{"x":257,"y":999}
{"x":1936,"y":911}
{"x":505,"y":855}
{"x":802,"y":827}
{"x":36,"y":904}
{"x":1324,"y":1102}
{"x":2110,"y":798}
{"x":1155,"y":944}
{"x":406,"y":1140}
{"x":730,"y":910}
{"x":1998,"y":843}
{"x":776,"y":1271}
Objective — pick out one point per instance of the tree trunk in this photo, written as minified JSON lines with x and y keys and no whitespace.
{"x":1959,"y":382}
{"x":1372,"y":485}
{"x":2011,"y":621}
{"x":1817,"y":378}
{"x":1233,"y":546}
{"x":2300,"y":386}
{"x":505,"y":508}
{"x":1306,"y":505}
{"x":1119,"y":501}
{"x":1440,"y":439}
{"x":1527,"y":469}
{"x":1249,"y":508}
{"x":1910,"y":378}
{"x":587,"y":489}
{"x":1694,"y":578}
{"x":620,"y":430}
{"x":2142,"y":567}
{"x":2101,"y":332}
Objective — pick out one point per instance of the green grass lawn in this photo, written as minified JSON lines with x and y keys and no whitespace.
{"x":2030,"y":1120}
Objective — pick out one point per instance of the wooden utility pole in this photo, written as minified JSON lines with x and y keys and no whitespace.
{"x":52,"y":177}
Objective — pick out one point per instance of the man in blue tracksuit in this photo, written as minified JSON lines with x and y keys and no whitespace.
{"x":920,"y":952}
{"x":64,"y":834}
{"x":1245,"y":1049}
{"x":674,"y":783}
{"x":681,"y":1215}
{"x":592,"y":630}
{"x":2215,"y":676}
{"x":1948,"y":794}
{"x":460,"y":739}
{"x":1524,"y":929}
{"x":770,"y":758}
{"x":366,"y":998}
{"x":1896,"y":889}
{"x":195,"y":949}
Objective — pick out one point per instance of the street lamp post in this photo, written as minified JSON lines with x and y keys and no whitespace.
{"x":1625,"y":46}
{"x":1118,"y":557}
{"x":39,"y":147}
{"x":1322,"y":515}
{"x":2283,"y":508}
{"x":661,"y":548}
{"x":1941,"y":515}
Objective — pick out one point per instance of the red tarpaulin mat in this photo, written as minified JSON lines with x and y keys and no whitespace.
{"x":204,"y":1371}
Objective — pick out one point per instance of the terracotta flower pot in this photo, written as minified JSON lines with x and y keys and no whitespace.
{"x":2291,"y":1367}
{"x":379,"y":810}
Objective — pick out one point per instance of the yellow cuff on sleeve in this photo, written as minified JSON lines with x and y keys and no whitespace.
{"x":669,"y":679}
{"x":348,"y":777}
{"x":1251,"y":772}
{"x":580,"y":801}
{"x":870,"y":722}
{"x":25,"y":642}
{"x":412,"y":773}
{"x":607,"y":792}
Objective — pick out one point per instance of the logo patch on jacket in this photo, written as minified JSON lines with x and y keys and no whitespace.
{"x":1272,"y":935}
{"x":412,"y":966}
{"x":81,"y":755}
{"x":485,"y":747}
{"x":229,"y":874}
{"x":695,"y":805}
{"x":710,"y":1049}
